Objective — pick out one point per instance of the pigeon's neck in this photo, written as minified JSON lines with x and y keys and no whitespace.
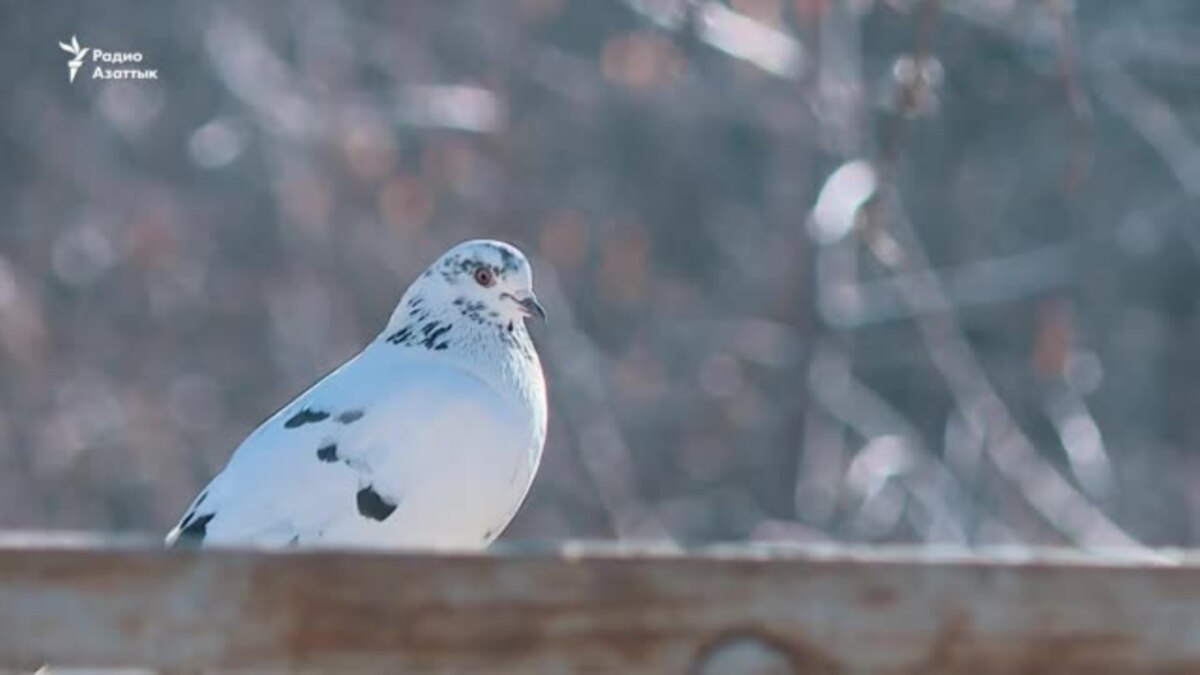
{"x":500,"y":352}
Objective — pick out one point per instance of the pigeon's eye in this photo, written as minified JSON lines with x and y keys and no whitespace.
{"x":484,"y":276}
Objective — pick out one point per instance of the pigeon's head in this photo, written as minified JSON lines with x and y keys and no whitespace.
{"x":485,"y":280}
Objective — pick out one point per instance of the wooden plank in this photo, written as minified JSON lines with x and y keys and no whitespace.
{"x":604,"y":611}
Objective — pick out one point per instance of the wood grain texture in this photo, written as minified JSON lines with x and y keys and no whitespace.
{"x":609,"y":611}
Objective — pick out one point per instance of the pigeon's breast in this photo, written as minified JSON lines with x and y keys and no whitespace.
{"x":455,"y":454}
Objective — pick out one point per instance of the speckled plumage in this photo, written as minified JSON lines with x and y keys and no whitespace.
{"x":430,"y":436}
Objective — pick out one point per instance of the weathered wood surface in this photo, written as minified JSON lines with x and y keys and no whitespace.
{"x":606,"y":611}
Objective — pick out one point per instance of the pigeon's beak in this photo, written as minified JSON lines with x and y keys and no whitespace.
{"x":529,"y":304}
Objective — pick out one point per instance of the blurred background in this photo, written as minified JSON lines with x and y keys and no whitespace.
{"x":817,"y":270}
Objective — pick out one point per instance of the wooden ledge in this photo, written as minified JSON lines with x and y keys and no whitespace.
{"x":598,"y":608}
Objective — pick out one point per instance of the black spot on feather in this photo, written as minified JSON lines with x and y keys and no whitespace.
{"x":401,"y":335}
{"x":327,"y":452}
{"x":431,"y":336}
{"x":192,"y":513}
{"x":372,"y":505}
{"x":195,"y":531}
{"x":305,"y":416}
{"x":350,"y":416}
{"x":508,"y":260}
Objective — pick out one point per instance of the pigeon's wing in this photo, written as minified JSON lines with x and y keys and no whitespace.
{"x":380,"y":452}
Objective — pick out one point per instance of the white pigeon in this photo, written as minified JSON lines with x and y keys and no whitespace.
{"x":429,"y":437}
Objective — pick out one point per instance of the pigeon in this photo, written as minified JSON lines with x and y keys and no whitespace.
{"x":430,"y":437}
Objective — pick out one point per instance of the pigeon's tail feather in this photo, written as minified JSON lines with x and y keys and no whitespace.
{"x":191,"y":532}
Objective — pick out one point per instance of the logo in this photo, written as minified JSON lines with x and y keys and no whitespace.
{"x":105,"y":57}
{"x":76,"y":63}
